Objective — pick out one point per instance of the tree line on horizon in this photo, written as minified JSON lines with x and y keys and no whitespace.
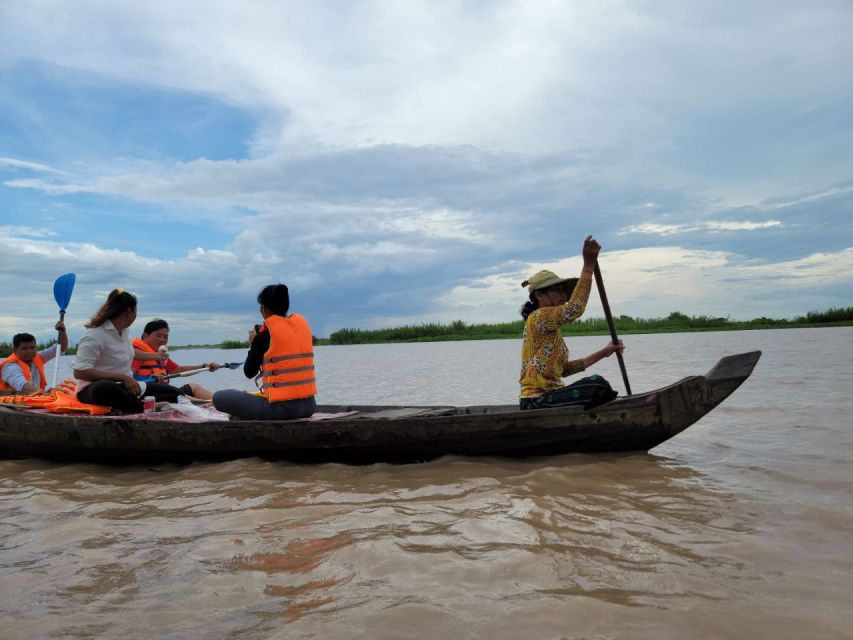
{"x":674,"y":322}
{"x":461,"y":330}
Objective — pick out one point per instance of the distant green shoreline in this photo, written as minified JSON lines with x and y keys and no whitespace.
{"x":675,"y":322}
{"x":458,"y":330}
{"x":605,"y":332}
{"x":602,"y":332}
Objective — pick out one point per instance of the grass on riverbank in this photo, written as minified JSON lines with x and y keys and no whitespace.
{"x":675,"y":322}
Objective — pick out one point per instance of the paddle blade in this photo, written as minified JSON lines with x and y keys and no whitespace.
{"x":231,"y":365}
{"x":62,"y":289}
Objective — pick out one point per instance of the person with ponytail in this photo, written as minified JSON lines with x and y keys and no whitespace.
{"x":555,"y":301}
{"x":281,"y":353}
{"x":104,"y":355}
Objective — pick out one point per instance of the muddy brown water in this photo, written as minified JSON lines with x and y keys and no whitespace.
{"x":740,"y":527}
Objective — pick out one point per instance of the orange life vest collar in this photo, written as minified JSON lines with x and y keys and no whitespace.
{"x":25,"y":369}
{"x":151,"y":368}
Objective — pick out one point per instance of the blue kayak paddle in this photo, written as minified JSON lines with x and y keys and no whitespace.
{"x":62,"y":289}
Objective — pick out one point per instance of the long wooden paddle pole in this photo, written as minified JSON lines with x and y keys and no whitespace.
{"x":599,"y":282}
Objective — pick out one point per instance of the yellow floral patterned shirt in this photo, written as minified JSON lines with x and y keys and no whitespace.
{"x":544,"y":355}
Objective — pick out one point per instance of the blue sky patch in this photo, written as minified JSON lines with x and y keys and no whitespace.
{"x":60,"y":116}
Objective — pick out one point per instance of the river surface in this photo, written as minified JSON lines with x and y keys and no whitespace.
{"x":740,"y":527}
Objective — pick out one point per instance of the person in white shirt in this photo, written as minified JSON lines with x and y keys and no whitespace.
{"x":102,"y":367}
{"x":23,"y":370}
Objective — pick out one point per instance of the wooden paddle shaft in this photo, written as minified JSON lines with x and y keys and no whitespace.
{"x":57,"y":352}
{"x":599,"y":282}
{"x":186,"y":373}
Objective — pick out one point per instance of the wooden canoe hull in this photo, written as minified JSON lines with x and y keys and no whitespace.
{"x":384,"y":434}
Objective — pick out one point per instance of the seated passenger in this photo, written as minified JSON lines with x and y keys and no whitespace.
{"x":102,"y":367}
{"x":553,"y":302}
{"x":23,"y":371}
{"x":282,"y":351}
{"x":155,"y":337}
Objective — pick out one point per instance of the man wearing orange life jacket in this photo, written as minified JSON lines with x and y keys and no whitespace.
{"x":23,"y":370}
{"x":281,"y":350}
{"x":148,"y":361}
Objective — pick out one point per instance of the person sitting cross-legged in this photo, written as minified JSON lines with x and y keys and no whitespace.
{"x":102,"y":367}
{"x":282,"y":352}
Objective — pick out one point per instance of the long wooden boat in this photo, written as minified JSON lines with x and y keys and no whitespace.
{"x":382,"y":433}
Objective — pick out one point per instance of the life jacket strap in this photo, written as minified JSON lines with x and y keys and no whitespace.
{"x":295,"y":356}
{"x":295,"y":383}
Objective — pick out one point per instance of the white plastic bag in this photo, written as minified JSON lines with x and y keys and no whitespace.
{"x":190,"y":412}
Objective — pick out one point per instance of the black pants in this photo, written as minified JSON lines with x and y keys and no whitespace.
{"x":590,"y":392}
{"x":109,"y":393}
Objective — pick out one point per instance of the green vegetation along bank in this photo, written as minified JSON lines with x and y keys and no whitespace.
{"x":675,"y":322}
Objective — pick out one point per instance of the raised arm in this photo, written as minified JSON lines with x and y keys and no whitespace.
{"x":576,"y":304}
{"x":590,"y":252}
{"x":259,"y":344}
{"x":63,"y":336}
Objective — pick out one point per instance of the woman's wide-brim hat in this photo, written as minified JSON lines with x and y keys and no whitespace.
{"x":545,"y":279}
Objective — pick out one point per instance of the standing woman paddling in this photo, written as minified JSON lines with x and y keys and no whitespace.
{"x":282,"y":352}
{"x":554,"y":301}
{"x":104,"y":354}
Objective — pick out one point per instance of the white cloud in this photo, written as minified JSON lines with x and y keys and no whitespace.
{"x":535,"y":78}
{"x":780,"y":203}
{"x":442,"y":223}
{"x":202,"y":279}
{"x":818,"y":269}
{"x":529,"y":76}
{"x":14,"y":163}
{"x":742,"y":226}
{"x":651,"y":228}
{"x":653,"y":281}
{"x":28,"y":232}
{"x":50,"y":188}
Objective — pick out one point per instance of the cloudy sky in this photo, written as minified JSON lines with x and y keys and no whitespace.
{"x":413,"y":161}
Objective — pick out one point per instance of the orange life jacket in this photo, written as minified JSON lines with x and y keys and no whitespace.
{"x":25,"y":368}
{"x":65,"y":401}
{"x":36,"y":399}
{"x":151,"y":368}
{"x":288,"y":366}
